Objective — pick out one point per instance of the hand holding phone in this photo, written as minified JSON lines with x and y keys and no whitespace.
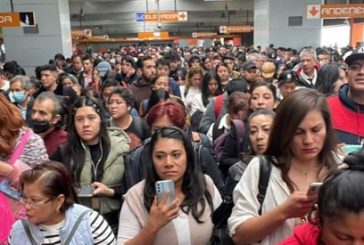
{"x":162,"y":187}
{"x":314,"y":188}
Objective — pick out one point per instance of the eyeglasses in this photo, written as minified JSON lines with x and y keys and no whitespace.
{"x":110,"y":103}
{"x":356,"y":67}
{"x":33,"y":203}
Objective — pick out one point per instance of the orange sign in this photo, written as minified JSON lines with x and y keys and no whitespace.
{"x":203,"y":34}
{"x":235,"y":29}
{"x":165,"y":16}
{"x":9,"y":20}
{"x":153,"y":35}
{"x":342,"y":11}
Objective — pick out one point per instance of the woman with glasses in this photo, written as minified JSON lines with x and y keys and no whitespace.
{"x":95,"y":157}
{"x":119,"y":104}
{"x":184,"y":220}
{"x":20,"y":149}
{"x":52,"y":217}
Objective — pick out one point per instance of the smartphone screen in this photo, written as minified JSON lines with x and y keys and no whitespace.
{"x":165,"y":186}
{"x":85,"y":191}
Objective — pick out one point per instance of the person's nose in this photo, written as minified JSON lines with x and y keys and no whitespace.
{"x":308,"y":139}
{"x":168,"y":163}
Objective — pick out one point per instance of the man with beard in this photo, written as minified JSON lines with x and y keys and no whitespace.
{"x":47,"y":120}
{"x":141,"y":88}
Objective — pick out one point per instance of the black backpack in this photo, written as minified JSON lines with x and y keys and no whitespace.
{"x":220,"y":235}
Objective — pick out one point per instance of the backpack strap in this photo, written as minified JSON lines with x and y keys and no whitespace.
{"x":27,"y":230}
{"x":139,"y":127}
{"x":218,"y":105}
{"x":264,"y":174}
{"x":20,"y":147}
{"x":77,"y":224}
{"x":240,"y":133}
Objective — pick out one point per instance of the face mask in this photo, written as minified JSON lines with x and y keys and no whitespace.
{"x":17,"y":97}
{"x":40,"y":126}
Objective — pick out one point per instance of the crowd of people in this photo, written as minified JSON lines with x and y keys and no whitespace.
{"x":85,"y":141}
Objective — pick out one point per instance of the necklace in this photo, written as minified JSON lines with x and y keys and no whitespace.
{"x":305,"y":172}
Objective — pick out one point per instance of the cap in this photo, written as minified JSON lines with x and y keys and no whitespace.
{"x":357,"y":54}
{"x":103,"y":67}
{"x":287,"y":76}
{"x":249,"y":65}
{"x":268,"y":69}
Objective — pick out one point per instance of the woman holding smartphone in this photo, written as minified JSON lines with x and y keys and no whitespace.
{"x":94,"y":154}
{"x":302,"y":146}
{"x":185,"y":220}
{"x":339,"y":217}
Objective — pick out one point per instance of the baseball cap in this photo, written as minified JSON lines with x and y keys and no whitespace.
{"x":268,"y":69}
{"x":357,"y":54}
{"x":103,"y":67}
{"x":249,"y":65}
{"x":287,"y":76}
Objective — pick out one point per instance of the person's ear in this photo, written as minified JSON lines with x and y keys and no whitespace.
{"x":60,"y":201}
{"x":56,"y":119}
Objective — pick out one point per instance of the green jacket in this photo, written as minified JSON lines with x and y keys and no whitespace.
{"x":113,"y":168}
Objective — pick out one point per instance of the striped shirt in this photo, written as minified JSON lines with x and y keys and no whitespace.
{"x":101,"y":231}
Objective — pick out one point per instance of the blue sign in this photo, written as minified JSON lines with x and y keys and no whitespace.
{"x":139,"y":17}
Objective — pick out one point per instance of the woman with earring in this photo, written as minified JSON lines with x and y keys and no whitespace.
{"x":301,"y":150}
{"x":52,"y":216}
{"x":95,"y":157}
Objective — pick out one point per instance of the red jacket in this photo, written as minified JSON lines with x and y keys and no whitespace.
{"x":306,"y":234}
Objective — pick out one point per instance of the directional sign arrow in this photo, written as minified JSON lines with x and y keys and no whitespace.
{"x":314,"y":11}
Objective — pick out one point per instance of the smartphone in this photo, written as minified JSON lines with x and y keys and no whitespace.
{"x":314,"y":188}
{"x":165,"y":186}
{"x":86,"y":191}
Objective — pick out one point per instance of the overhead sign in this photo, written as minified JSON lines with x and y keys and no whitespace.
{"x":153,"y":35}
{"x":203,"y":34}
{"x":313,"y":11}
{"x":235,"y":29}
{"x":163,"y":16}
{"x":327,"y":11}
{"x":27,"y":19}
{"x":14,"y":19}
{"x":9,"y":20}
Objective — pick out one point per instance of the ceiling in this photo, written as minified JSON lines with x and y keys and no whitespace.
{"x":118,"y":18}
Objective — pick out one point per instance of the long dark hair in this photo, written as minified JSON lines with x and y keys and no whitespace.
{"x":205,"y":86}
{"x":194,"y":185}
{"x":343,"y":192}
{"x":290,"y":113}
{"x":327,"y":77}
{"x":75,"y":149}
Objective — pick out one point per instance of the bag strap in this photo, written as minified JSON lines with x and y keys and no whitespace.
{"x":240,"y":133}
{"x":27,"y":230}
{"x":264,"y":174}
{"x":218,"y":105}
{"x":20,"y":147}
{"x":77,"y":224}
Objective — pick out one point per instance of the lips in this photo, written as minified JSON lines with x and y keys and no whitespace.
{"x":310,"y":150}
{"x":170,"y":173}
{"x":86,"y":132}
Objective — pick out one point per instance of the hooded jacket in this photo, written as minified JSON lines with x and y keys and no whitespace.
{"x":347,"y":117}
{"x":305,"y":234}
